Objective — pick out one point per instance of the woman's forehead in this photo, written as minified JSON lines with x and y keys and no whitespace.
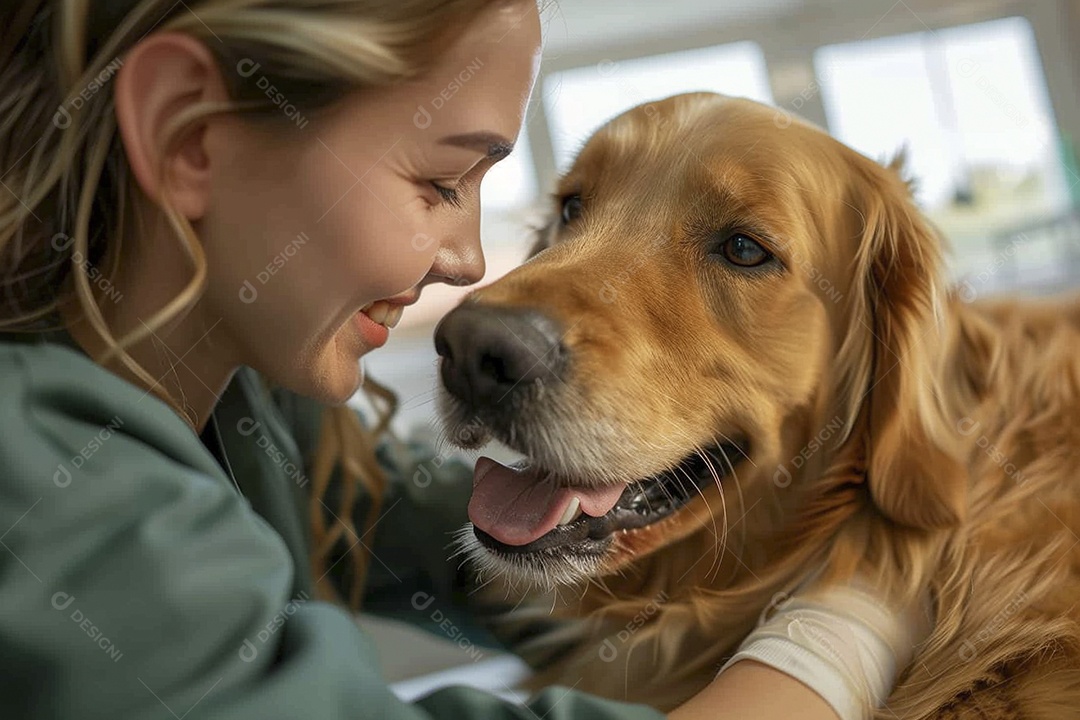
{"x":486,"y":76}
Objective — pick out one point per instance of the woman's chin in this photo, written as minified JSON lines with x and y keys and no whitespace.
{"x":329,"y":378}
{"x":340,"y":384}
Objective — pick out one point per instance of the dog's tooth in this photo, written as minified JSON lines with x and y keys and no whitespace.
{"x":572,"y":511}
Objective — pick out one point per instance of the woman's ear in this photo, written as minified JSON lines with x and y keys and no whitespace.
{"x":161,"y":79}
{"x":914,"y":475}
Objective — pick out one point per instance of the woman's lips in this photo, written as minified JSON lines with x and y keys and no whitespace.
{"x":375,"y":319}
{"x":372,"y":333}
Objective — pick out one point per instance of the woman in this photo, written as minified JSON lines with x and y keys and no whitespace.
{"x":202,"y":201}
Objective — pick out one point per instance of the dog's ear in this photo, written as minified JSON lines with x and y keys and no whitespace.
{"x":898,"y":295}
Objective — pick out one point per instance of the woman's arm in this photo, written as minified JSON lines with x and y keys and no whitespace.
{"x":751,"y":689}
{"x":830,"y":652}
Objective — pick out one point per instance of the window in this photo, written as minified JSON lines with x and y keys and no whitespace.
{"x":971,"y":105}
{"x":579,"y":101}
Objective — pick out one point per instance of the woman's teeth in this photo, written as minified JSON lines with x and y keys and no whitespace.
{"x":573,"y":510}
{"x":383,"y":312}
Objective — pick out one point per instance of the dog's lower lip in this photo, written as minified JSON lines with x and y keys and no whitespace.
{"x":642,"y":503}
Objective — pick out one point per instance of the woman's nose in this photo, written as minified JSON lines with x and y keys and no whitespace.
{"x":458,"y":264}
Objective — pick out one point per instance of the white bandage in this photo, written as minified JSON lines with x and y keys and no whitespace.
{"x":842,"y":643}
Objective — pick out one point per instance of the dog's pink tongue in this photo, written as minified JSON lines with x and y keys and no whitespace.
{"x":517,"y":507}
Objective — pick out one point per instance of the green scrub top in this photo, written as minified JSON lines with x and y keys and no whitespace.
{"x":146,"y":572}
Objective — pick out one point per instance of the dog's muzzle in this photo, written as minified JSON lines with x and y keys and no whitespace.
{"x":490,"y":353}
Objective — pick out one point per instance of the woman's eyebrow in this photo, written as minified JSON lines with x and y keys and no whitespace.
{"x":493,"y":145}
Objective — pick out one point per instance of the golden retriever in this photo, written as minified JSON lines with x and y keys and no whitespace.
{"x":734,"y":360}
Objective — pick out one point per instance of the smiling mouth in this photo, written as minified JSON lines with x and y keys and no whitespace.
{"x":384,"y":313}
{"x":521,"y":510}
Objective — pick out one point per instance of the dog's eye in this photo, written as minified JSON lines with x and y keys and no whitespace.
{"x":571,"y":208}
{"x":744,"y":251}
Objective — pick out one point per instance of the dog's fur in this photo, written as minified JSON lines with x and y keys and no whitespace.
{"x":891,"y":428}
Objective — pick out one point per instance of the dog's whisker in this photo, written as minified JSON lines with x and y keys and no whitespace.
{"x":720,"y":544}
{"x":735,"y":445}
{"x":693,"y":482}
{"x":738,"y":489}
{"x":600,"y":583}
{"x":699,"y":452}
{"x":482,"y":585}
{"x":584,"y":591}
{"x":517,"y":605}
{"x":717,"y":478}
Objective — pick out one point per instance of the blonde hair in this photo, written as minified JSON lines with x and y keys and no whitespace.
{"x":70,"y":200}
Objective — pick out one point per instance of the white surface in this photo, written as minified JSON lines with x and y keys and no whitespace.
{"x":416,"y":662}
{"x":499,"y":675}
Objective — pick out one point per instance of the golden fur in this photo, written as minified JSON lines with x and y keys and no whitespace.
{"x":891,"y":428}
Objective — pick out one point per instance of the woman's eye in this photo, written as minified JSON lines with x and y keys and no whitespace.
{"x":744,"y":251}
{"x":450,"y":195}
{"x":571,"y":208}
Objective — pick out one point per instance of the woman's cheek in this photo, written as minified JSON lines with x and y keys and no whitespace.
{"x":388,"y":256}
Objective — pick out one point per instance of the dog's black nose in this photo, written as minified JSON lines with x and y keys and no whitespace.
{"x":488,"y":352}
